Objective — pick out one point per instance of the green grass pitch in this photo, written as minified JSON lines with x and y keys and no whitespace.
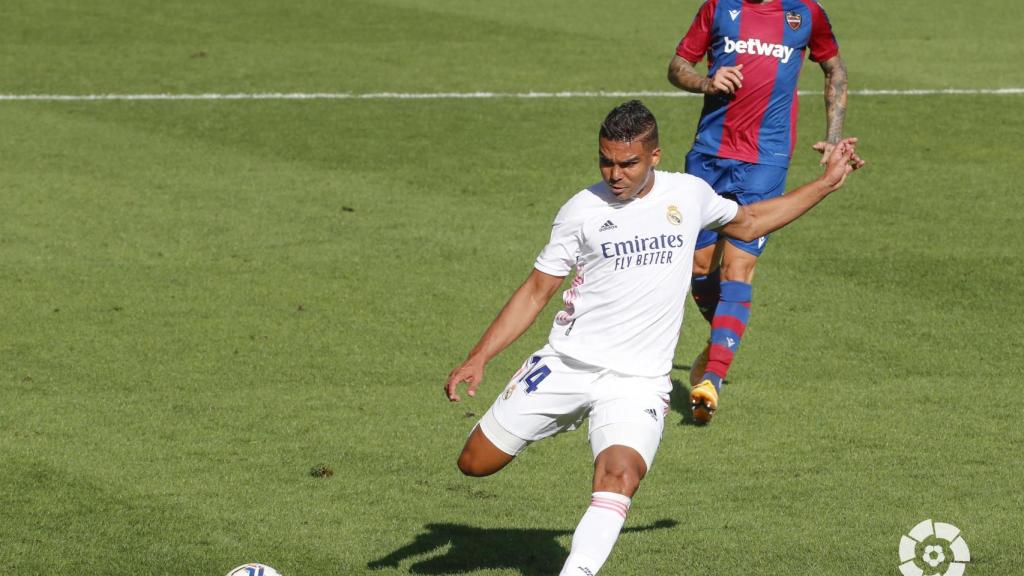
{"x":202,"y":301}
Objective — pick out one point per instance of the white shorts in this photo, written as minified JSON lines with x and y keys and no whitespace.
{"x":552,"y":394}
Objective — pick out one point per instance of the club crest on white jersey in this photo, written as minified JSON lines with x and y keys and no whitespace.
{"x":674,"y":215}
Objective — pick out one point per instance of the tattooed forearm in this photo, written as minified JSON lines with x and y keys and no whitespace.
{"x":682,"y":74}
{"x":835,"y":98}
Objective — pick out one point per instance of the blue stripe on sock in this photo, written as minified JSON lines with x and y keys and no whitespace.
{"x":734,"y":309}
{"x":737,"y":292}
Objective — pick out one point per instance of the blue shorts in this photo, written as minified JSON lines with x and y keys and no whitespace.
{"x":743,"y":182}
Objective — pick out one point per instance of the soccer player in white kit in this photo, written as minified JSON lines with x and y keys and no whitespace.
{"x":630,"y":238}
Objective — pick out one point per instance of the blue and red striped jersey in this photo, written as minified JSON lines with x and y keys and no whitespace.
{"x":758,"y":123}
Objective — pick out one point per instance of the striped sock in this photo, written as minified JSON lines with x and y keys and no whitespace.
{"x":706,"y":291}
{"x":596,"y":534}
{"x":727,"y":329}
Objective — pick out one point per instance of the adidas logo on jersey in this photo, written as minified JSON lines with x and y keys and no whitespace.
{"x":756,"y":47}
{"x":608,"y":225}
{"x":652,"y":413}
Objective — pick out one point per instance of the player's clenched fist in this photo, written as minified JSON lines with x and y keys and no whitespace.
{"x":726,"y":80}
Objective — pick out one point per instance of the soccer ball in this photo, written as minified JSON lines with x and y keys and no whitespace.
{"x":253,"y":569}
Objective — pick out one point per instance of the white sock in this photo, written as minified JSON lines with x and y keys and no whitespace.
{"x":596,"y":534}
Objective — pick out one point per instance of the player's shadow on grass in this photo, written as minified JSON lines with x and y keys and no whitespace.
{"x":532,"y":551}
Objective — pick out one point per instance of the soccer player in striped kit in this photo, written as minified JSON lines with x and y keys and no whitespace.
{"x":743,"y":146}
{"x":630,"y":239}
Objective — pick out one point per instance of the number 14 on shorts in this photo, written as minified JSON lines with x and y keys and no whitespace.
{"x":533,"y":373}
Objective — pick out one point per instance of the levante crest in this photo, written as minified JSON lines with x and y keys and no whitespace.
{"x":794,"y":19}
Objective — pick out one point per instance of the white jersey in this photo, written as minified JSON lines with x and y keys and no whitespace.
{"x":633,"y":262}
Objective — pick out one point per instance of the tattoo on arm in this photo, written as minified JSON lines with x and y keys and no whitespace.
{"x":682,"y":74}
{"x":835,"y":98}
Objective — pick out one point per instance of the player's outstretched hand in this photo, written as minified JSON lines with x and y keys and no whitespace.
{"x":825,"y":149}
{"x":727,"y":80}
{"x":471,"y":372}
{"x":841,"y":161}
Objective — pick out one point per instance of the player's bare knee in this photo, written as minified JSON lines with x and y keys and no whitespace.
{"x":620,"y":480}
{"x":480,"y":457}
{"x":469,"y":468}
{"x":621,"y":477}
{"x":472,"y":466}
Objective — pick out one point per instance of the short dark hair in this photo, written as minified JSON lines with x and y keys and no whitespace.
{"x":630,"y":121}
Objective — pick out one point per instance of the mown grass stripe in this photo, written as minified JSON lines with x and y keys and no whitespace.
{"x":464,"y":95}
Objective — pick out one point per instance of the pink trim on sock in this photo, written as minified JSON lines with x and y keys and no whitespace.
{"x":617,"y":507}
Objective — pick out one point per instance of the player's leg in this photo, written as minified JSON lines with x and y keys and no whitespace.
{"x":705,"y":282}
{"x":624,"y":435}
{"x":480,"y":457}
{"x":727,"y":328}
{"x":617,"y":474}
{"x":705,"y":286}
{"x":732,"y":314}
{"x":540,"y":400}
